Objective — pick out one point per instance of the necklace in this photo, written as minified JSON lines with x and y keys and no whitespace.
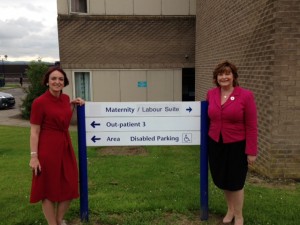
{"x":227,"y":93}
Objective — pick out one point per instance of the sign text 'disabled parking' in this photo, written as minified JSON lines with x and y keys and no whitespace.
{"x":142,"y":123}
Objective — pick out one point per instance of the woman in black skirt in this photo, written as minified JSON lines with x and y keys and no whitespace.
{"x":232,"y":137}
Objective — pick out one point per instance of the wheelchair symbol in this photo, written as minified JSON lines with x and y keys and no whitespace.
{"x":187,"y":138}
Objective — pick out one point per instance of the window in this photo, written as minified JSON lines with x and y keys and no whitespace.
{"x":79,"y":6}
{"x":82,"y":85}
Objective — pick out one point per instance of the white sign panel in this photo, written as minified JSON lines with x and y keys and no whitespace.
{"x":143,"y":138}
{"x":120,"y":124}
{"x":142,"y":123}
{"x":135,"y":109}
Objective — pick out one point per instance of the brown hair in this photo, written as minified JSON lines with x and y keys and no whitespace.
{"x":224,"y":67}
{"x":51,"y":70}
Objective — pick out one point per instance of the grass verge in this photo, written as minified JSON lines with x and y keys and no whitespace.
{"x":9,"y":86}
{"x":158,"y":187}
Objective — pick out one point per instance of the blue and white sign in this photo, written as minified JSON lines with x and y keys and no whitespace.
{"x":142,"y":84}
{"x":142,"y":123}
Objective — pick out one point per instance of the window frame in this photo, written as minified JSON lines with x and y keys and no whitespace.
{"x":70,"y":7}
{"x":90,"y":82}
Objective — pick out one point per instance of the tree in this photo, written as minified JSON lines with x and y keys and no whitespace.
{"x":35,"y":74}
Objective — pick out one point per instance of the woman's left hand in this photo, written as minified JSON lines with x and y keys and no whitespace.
{"x":251,"y":159}
{"x":78,"y":101}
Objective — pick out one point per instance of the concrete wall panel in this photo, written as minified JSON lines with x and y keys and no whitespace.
{"x":117,"y":7}
{"x":106,"y":86}
{"x":129,"y":85}
{"x":160,"y":85}
{"x":146,"y":7}
{"x":97,"y":7}
{"x":175,"y":7}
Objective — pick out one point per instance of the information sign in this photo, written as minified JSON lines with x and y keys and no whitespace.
{"x":142,"y":123}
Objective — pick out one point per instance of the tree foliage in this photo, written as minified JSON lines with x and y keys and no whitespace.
{"x":35,"y":74}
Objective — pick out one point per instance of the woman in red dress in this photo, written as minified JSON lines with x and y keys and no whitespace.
{"x":55,"y":172}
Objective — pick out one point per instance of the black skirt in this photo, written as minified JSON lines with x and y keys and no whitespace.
{"x":228,"y":164}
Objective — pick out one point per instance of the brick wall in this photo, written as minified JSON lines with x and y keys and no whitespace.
{"x":97,"y":42}
{"x":263,"y":39}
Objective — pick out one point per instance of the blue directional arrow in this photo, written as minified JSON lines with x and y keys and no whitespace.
{"x":189,"y":109}
{"x":94,"y":124}
{"x":94,"y":139}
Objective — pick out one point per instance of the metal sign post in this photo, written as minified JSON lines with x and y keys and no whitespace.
{"x":82,"y":158}
{"x":204,"y":163}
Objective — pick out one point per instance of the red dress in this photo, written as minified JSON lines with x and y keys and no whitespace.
{"x":58,"y":180}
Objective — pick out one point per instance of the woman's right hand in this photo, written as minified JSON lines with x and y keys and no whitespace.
{"x":35,"y":165}
{"x":34,"y":140}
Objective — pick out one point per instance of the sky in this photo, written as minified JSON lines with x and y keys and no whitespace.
{"x":28,"y":30}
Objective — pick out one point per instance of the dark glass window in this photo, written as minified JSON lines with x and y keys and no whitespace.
{"x":82,"y":85}
{"x":79,"y":6}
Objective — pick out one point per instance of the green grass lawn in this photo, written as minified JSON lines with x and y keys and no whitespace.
{"x":9,"y":86}
{"x":160,"y":187}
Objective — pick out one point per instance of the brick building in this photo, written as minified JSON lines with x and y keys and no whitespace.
{"x":129,"y":50}
{"x":263,"y":39}
{"x":146,"y":50}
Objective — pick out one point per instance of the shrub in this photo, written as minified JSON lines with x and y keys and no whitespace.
{"x":35,"y":74}
{"x":2,"y":81}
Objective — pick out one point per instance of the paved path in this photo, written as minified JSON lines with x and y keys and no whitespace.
{"x":12,"y":117}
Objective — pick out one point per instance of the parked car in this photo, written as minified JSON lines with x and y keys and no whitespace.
{"x":6,"y":100}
